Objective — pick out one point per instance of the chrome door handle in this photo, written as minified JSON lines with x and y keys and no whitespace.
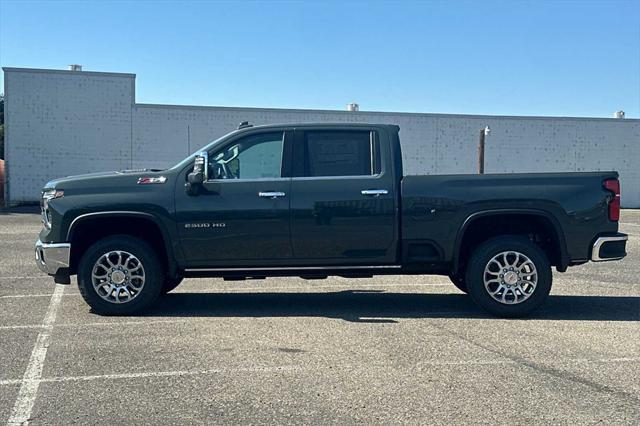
{"x":374,"y":192}
{"x":271,"y":194}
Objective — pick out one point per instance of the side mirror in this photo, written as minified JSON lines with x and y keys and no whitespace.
{"x":200,"y":173}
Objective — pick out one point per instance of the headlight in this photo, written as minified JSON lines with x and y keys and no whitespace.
{"x":48,"y":195}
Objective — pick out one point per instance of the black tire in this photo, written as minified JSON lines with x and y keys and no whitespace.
{"x":459,"y":282}
{"x":475,"y":276}
{"x":171,"y":283}
{"x":153,"y":275}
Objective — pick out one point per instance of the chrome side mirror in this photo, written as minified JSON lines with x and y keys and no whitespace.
{"x":200,"y":173}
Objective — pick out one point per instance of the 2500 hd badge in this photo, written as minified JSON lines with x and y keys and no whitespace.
{"x":205,"y":225}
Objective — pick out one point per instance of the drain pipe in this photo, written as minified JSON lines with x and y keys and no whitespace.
{"x":483,"y":133}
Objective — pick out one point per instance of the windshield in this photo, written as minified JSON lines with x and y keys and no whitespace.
{"x":208,"y":147}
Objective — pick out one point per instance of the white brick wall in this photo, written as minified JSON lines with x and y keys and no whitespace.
{"x":61,"y":123}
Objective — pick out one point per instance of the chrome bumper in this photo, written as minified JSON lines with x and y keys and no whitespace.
{"x":51,"y":257}
{"x":609,"y":248}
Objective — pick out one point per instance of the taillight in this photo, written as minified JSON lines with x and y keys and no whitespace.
{"x":613,"y":185}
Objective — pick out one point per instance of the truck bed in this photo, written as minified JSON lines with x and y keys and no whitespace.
{"x":437,"y":208}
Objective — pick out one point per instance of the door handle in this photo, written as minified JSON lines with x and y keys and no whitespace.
{"x":374,"y":192}
{"x":271,"y":194}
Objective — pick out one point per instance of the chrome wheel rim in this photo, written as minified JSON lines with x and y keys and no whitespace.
{"x":510,"y":277}
{"x":118,"y":276}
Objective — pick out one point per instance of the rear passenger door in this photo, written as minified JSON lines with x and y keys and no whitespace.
{"x":343,"y":206}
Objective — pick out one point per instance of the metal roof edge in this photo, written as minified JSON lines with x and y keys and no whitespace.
{"x":357,"y":113}
{"x":51,"y":71}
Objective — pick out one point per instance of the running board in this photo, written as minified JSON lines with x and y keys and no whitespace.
{"x":293,"y":268}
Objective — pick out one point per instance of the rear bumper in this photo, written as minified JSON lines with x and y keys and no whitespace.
{"x":609,"y":247}
{"x":52,"y":258}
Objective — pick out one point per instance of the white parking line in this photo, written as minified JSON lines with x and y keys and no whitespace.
{"x":32,"y":375}
{"x":20,"y":296}
{"x":95,"y":324}
{"x":284,"y":368}
{"x":543,"y":361}
{"x":162,"y":374}
{"x":19,"y":327}
{"x":21,"y":278}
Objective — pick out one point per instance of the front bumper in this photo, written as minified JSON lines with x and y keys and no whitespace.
{"x":51,"y":258}
{"x":609,"y":247}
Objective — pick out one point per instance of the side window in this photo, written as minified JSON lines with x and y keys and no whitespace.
{"x":253,"y":157}
{"x":341,"y":153}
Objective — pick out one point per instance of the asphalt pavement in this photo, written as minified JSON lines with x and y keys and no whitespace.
{"x":391,"y":349}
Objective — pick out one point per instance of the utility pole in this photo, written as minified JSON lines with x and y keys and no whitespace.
{"x":483,"y":133}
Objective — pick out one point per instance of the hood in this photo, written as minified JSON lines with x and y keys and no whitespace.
{"x":123,"y":177}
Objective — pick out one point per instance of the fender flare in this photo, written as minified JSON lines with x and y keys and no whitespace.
{"x":124,"y":213}
{"x":564,"y":256}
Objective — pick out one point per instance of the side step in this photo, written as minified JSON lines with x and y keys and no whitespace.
{"x":240,"y":278}
{"x":304,"y":277}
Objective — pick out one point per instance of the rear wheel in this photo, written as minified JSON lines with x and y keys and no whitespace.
{"x":509,"y":276}
{"x":120,"y":275}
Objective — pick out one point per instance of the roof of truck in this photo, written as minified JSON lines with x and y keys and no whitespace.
{"x":355,"y":125}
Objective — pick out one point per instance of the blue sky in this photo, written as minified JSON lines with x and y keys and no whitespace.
{"x":562,"y":58}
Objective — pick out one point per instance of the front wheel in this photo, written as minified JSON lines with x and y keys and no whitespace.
{"x":509,"y":276}
{"x":120,"y":275}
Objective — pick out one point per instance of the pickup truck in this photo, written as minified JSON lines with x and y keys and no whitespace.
{"x":318,"y":200}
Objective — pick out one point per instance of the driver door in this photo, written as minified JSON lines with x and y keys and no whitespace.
{"x":241,"y":218}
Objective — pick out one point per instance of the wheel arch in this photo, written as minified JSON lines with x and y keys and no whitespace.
{"x":143,"y":225}
{"x":562,"y":261}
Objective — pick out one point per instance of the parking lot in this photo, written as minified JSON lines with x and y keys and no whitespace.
{"x":383,"y":350}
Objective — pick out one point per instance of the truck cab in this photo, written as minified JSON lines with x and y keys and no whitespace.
{"x":292,"y":196}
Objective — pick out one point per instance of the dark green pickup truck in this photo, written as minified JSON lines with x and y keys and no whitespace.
{"x":313,"y":200}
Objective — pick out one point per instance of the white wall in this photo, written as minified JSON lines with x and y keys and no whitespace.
{"x":60,"y":123}
{"x":75,"y":122}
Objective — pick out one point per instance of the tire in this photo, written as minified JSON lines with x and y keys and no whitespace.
{"x":459,"y":282}
{"x":122,"y":264}
{"x":171,"y":283}
{"x":514,"y":295}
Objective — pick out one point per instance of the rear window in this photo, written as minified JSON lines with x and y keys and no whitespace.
{"x":340,"y":153}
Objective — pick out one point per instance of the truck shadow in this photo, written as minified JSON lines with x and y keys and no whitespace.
{"x":382,"y":307}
